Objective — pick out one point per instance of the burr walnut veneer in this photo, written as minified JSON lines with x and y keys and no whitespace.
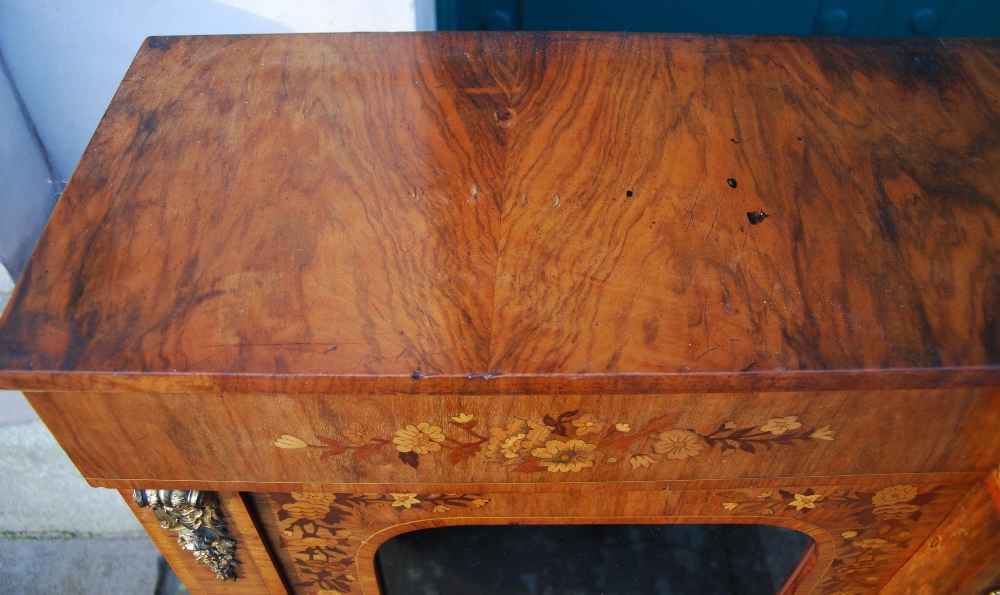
{"x":356,"y":285}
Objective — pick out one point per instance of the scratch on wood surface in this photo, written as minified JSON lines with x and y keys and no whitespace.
{"x":205,"y":359}
{"x":715,"y":217}
{"x":706,"y":352}
{"x":794,"y":130}
{"x":429,"y":319}
{"x":695,"y":204}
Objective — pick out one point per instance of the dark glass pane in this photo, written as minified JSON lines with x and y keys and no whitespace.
{"x":590,"y":559}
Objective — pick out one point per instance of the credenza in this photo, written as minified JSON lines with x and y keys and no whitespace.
{"x":306,"y":293}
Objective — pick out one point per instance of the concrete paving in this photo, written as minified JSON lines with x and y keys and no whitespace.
{"x":123,"y":565}
{"x":58,"y":534}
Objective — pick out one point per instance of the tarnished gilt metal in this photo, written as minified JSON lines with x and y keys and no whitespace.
{"x":197,"y":523}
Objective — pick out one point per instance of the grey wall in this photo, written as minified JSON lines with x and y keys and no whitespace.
{"x":66,"y":58}
{"x":26,"y":192}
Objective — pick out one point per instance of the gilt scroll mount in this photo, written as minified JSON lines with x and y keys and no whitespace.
{"x":199,"y":528}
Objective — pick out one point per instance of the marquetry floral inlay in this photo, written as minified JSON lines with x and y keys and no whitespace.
{"x":567,"y":442}
{"x":881,"y":525}
{"x":322,"y":550}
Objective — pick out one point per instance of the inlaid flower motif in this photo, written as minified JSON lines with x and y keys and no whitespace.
{"x":508,"y":445}
{"x":316,"y":497}
{"x":511,"y":447}
{"x":306,"y":510}
{"x":900,"y":510}
{"x":610,"y":460}
{"x":849,"y":534}
{"x":780,"y":425}
{"x":623,"y":427}
{"x":537,"y":433}
{"x":641,"y":460}
{"x":356,"y":432}
{"x":442,"y":508}
{"x":480,"y":502}
{"x":315,"y":556}
{"x":802,"y":501}
{"x":894,"y":494}
{"x":571,"y":455}
{"x":588,"y":424}
{"x":824,"y":433}
{"x":893,"y":502}
{"x":462,"y":418}
{"x":679,"y":444}
{"x":421,"y":439}
{"x":730,"y":505}
{"x":872,"y":544}
{"x":316,"y":542}
{"x":404,"y":500}
{"x":286,"y":441}
{"x":858,"y":567}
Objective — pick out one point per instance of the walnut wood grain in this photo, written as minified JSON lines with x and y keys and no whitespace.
{"x":419,"y":213}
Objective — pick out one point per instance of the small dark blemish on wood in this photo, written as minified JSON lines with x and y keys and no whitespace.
{"x":504,"y":116}
{"x":417,"y":375}
{"x":734,"y":141}
{"x":750,"y":367}
{"x":924,"y":63}
{"x":628,"y":193}
{"x":334,"y":348}
{"x":798,"y":138}
{"x":731,"y":182}
{"x":757,"y":217}
{"x":160,"y":43}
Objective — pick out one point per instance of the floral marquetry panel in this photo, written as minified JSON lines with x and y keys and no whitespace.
{"x":863,"y":532}
{"x":398,"y":440}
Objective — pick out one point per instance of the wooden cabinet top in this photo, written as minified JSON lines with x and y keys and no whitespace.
{"x":487,"y":213}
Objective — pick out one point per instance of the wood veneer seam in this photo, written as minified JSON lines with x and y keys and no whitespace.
{"x":959,"y":477}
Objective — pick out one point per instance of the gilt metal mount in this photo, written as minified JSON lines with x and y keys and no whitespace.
{"x":198,"y":526}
